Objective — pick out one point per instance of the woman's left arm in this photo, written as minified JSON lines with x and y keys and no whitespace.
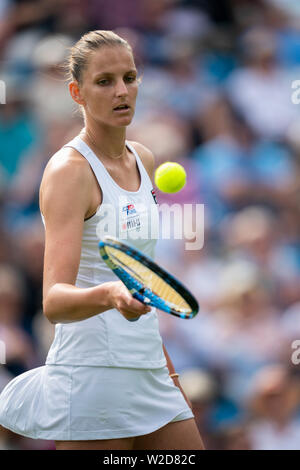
{"x":175,"y":379}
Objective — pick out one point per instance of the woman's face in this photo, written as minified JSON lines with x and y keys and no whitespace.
{"x":108,"y":82}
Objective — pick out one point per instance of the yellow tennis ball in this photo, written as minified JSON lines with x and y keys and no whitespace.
{"x":170,"y":177}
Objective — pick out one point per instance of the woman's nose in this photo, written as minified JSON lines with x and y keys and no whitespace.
{"x":121,"y":88}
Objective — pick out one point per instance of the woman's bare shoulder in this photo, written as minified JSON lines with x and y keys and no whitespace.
{"x":65,"y":159}
{"x":67,"y":171}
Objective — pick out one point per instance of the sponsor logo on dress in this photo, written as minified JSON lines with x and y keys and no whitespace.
{"x":154,"y":195}
{"x":132,"y":218}
{"x":129,"y":209}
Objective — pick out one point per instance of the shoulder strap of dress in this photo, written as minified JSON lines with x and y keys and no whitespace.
{"x":96,"y":165}
{"x":142,"y":169}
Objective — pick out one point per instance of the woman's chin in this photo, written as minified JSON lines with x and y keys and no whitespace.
{"x":123,"y":121}
{"x":115,"y":121}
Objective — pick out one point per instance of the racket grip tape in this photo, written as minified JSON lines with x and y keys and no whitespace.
{"x":139,"y":297}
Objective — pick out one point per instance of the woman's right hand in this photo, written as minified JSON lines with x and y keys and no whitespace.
{"x":122,"y":300}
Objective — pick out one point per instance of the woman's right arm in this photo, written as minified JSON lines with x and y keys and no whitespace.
{"x":64,"y":199}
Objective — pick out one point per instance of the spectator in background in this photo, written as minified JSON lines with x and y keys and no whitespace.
{"x":222,"y":159}
{"x":273,"y":404}
{"x":29,"y":254}
{"x":261,"y":89}
{"x":23,"y":193}
{"x":49,"y":95}
{"x":254,"y":234}
{"x":20,"y":354}
{"x":19,"y":129}
{"x":236,"y":167}
{"x":201,"y":389}
{"x":233,"y":437}
{"x":5,"y":7}
{"x":127,"y":13}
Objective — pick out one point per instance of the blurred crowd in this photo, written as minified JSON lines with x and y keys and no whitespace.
{"x":216,"y":95}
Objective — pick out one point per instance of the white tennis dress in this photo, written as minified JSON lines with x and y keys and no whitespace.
{"x":104,"y":377}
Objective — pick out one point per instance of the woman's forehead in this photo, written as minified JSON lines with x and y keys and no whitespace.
{"x":110,"y":59}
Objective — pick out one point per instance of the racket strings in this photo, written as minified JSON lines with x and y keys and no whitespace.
{"x":127,"y":268}
{"x":149,"y":279}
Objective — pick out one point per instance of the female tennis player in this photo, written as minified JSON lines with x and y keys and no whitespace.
{"x":108,"y":383}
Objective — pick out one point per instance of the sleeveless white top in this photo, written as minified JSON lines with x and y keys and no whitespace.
{"x":108,"y":339}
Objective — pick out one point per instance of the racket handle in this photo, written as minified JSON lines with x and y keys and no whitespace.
{"x":138,"y":296}
{"x":142,"y":299}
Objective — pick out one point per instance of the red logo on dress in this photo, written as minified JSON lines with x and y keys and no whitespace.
{"x":154,"y":196}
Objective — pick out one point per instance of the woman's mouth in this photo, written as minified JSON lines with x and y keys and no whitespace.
{"x":122,"y":108}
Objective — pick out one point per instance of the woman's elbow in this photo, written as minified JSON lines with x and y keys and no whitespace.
{"x":49,"y":312}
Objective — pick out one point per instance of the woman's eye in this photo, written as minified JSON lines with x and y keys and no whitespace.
{"x":103,"y":82}
{"x":130,"y":79}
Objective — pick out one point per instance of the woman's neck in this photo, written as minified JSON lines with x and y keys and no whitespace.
{"x":107,"y":141}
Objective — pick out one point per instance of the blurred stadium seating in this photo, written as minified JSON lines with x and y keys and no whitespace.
{"x":215,"y":95}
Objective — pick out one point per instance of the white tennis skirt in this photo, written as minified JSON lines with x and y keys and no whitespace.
{"x":59,"y":402}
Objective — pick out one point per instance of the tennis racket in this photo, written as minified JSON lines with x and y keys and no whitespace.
{"x":146,"y":281}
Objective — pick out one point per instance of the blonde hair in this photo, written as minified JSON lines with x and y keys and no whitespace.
{"x":89,"y":42}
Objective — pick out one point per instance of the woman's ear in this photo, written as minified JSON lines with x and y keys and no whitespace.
{"x":75,"y":93}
